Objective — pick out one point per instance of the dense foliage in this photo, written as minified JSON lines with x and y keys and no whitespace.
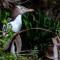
{"x":41,"y":39}
{"x":33,"y":39}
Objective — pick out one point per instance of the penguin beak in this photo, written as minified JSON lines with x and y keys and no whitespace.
{"x":26,"y":10}
{"x":30,"y":10}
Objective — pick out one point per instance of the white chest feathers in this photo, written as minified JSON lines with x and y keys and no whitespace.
{"x":16,"y":24}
